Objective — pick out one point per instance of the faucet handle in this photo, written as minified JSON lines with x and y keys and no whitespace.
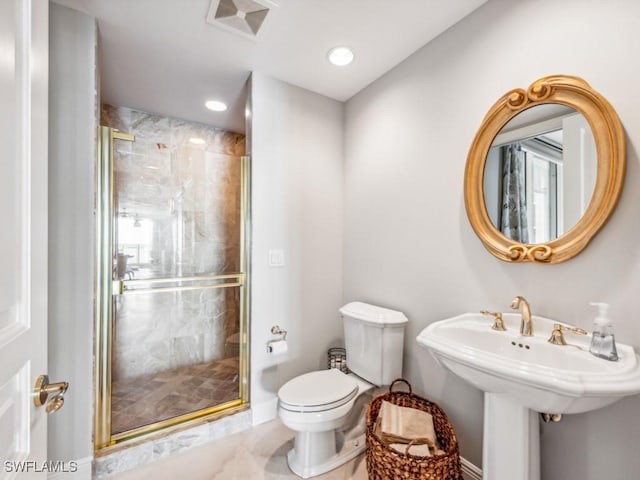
{"x":498,"y":323}
{"x":557,"y":336}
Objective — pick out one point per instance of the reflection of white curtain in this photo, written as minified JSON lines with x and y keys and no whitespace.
{"x":513,"y":218}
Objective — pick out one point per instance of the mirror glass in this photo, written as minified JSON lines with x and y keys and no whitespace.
{"x":540,"y":173}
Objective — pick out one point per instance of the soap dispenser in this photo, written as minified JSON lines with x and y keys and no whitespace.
{"x":603,"y":343}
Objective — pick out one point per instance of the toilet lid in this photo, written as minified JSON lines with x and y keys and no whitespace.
{"x":317,"y":391}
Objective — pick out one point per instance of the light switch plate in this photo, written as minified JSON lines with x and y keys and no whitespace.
{"x":276,"y":258}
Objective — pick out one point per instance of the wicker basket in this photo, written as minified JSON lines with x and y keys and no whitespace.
{"x":385,"y":463}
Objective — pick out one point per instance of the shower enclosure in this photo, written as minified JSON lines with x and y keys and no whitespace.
{"x":171,"y":303}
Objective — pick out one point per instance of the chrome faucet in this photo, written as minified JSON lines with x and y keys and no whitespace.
{"x":526,"y":325}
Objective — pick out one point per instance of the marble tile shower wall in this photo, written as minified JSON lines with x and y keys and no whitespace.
{"x":163,"y":331}
{"x":178,"y":207}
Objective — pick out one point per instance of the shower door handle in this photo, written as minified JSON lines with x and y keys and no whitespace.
{"x":43,"y":389}
{"x":127,"y":287}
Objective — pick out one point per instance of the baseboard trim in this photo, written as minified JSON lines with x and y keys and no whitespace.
{"x":82,"y":470}
{"x":469,"y":470}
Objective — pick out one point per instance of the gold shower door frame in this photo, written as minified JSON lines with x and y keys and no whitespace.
{"x":106,"y":288}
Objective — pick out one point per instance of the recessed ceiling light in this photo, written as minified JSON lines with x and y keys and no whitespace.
{"x":340,"y":56}
{"x":197,"y":140}
{"x":216,"y":105}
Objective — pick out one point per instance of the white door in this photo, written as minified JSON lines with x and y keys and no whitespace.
{"x":23,"y":233}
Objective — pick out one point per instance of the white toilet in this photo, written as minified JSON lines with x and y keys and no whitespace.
{"x":326,"y":408}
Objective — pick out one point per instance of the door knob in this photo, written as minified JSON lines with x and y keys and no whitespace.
{"x":43,"y":389}
{"x":55,"y":404}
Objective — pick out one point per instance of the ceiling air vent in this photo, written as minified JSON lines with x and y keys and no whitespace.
{"x":245,"y":17}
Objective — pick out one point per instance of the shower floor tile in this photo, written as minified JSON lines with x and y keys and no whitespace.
{"x":146,"y":399}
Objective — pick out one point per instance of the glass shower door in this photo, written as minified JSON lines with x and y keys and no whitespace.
{"x":178,"y":285}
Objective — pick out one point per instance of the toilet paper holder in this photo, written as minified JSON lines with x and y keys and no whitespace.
{"x":276,"y":330}
{"x":278,"y":345}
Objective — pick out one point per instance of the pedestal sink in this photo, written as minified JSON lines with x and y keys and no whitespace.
{"x":522,"y":376}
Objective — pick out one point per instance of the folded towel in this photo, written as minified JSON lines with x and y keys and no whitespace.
{"x":403,"y":424}
{"x":421,"y":447}
{"x":419,"y":450}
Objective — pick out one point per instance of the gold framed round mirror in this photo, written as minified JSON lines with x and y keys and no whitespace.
{"x":544,"y":171}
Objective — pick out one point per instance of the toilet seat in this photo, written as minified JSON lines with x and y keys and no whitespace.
{"x":317,"y":391}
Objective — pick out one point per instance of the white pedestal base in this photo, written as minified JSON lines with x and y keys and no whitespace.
{"x":511,"y":440}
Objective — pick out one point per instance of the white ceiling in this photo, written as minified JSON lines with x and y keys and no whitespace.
{"x":162,"y":57}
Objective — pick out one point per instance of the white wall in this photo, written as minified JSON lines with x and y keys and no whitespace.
{"x":72,"y":131}
{"x":296,"y":152}
{"x":409,"y":245}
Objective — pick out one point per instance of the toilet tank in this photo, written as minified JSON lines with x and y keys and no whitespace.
{"x":374,"y":340}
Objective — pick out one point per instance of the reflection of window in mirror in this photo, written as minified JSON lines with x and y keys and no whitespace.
{"x":544,"y":193}
{"x":543,"y":172}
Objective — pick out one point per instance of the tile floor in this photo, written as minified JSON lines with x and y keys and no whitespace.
{"x":155,"y":397}
{"x":255,"y":454}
